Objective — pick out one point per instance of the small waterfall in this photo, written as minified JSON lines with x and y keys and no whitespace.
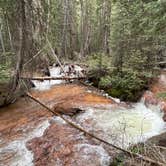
{"x":57,"y":72}
{"x":46,"y":84}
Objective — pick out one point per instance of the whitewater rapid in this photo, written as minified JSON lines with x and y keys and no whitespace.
{"x":119,"y":125}
{"x":124,"y":126}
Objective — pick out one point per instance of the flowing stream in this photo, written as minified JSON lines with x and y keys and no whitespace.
{"x":122,"y":126}
{"x":117,"y":123}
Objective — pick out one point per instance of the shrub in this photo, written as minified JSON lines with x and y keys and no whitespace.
{"x":98,"y":66}
{"x":127,"y":85}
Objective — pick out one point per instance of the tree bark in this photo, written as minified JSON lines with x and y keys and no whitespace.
{"x":22,"y":50}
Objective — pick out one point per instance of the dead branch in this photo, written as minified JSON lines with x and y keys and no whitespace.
{"x":37,"y":54}
{"x":52,"y":50}
{"x":129,"y":153}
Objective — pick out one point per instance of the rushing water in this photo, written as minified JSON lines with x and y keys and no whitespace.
{"x":46,"y":84}
{"x":56,"y":72}
{"x":116,"y":123}
{"x":124,"y":126}
{"x":21,"y":155}
{"x":120,"y":125}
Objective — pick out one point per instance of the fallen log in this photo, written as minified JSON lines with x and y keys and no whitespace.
{"x":52,"y":78}
{"x":76,"y":126}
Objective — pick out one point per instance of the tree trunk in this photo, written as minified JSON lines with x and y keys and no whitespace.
{"x":22,"y":50}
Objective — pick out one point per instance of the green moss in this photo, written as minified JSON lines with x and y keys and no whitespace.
{"x":115,"y":92}
{"x":137,"y":149}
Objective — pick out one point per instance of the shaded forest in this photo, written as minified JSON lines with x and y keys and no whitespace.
{"x":83,"y":82}
{"x":122,"y":42}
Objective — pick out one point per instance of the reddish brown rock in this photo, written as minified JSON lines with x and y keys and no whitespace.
{"x":64,"y":145}
{"x":150,"y":98}
{"x":58,"y":146}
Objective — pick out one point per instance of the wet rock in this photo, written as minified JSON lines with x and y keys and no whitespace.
{"x":45,"y":71}
{"x":163,"y":106}
{"x":150,"y":98}
{"x":67,"y":110}
{"x":64,"y":145}
{"x":5,"y":157}
{"x":159,"y":140}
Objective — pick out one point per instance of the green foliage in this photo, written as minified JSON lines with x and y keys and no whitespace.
{"x":119,"y":160}
{"x":99,"y":60}
{"x":138,"y":33}
{"x":125,"y":85}
{"x":4,"y":74}
{"x":162,"y":95}
{"x":105,"y":81}
{"x":98,"y":66}
{"x":137,"y":149}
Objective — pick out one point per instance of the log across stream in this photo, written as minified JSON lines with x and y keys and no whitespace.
{"x":31,"y":136}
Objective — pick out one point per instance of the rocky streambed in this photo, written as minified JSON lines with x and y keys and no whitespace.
{"x":29,"y":135}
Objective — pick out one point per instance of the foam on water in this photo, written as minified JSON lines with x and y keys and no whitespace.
{"x":87,"y":152}
{"x":46,"y":84}
{"x":22,"y":156}
{"x":56,"y":72}
{"x":124,"y":126}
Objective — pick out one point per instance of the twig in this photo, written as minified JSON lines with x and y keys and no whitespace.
{"x":38,"y":53}
{"x":129,"y":153}
{"x":52,"y":50}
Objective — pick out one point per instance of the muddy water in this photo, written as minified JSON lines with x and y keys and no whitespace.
{"x":29,"y":135}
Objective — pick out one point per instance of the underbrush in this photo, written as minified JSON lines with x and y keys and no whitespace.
{"x":128,"y":85}
{"x":148,"y":151}
{"x":162,"y":95}
{"x":6,"y":64}
{"x":4,"y":73}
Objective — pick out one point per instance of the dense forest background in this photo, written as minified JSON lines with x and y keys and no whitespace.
{"x":122,"y":41}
